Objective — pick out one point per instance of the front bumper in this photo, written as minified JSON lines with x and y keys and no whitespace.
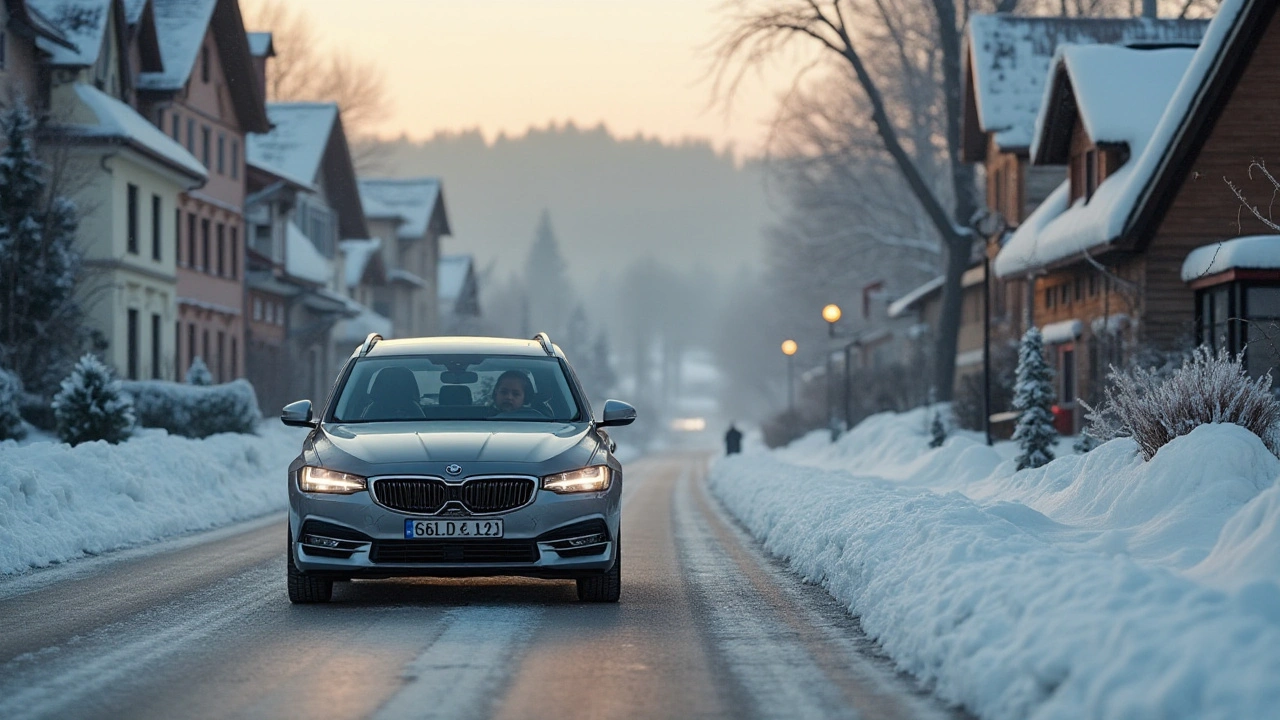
{"x":554,"y":536}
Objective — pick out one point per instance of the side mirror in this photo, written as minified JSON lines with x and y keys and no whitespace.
{"x":617,"y":414}
{"x":298,"y":414}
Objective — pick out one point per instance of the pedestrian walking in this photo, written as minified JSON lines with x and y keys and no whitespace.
{"x":732,"y":440}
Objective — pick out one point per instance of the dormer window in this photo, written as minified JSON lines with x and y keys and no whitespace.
{"x":1090,"y":173}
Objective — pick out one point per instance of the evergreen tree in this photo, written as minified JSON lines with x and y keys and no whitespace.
{"x":91,"y":405}
{"x":1033,"y":397}
{"x":11,"y":427}
{"x":39,"y":317}
{"x":550,"y":296}
{"x":937,"y":431}
{"x":198,"y":373}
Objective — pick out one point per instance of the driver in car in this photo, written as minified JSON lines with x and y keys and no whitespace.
{"x":512,"y":391}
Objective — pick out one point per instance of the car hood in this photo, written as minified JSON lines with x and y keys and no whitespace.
{"x":383,"y":443}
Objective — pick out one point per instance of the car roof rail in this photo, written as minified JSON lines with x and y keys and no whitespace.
{"x":545,"y":341}
{"x":369,"y":342}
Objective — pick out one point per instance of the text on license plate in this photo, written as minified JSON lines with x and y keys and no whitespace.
{"x":416,"y":529}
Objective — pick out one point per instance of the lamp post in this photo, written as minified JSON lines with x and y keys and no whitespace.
{"x":831,"y":313}
{"x":789,"y":348}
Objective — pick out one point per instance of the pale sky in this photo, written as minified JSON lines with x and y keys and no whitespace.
{"x":503,"y":65}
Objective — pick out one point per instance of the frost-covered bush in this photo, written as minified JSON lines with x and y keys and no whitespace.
{"x":937,"y":431}
{"x":91,"y":405}
{"x":198,"y":373}
{"x":1208,"y":388}
{"x":194,"y":410}
{"x":11,"y":427}
{"x":1033,"y":398}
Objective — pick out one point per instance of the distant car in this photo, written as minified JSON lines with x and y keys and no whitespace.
{"x":423,"y":463}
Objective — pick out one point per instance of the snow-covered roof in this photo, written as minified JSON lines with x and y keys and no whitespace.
{"x":260,"y":44}
{"x":356,"y":254}
{"x":181,"y":26}
{"x":405,"y":276}
{"x":118,"y":121}
{"x":295,"y":146}
{"x":1252,"y":252}
{"x":452,"y":275}
{"x":1060,"y":332}
{"x":1124,"y":91}
{"x":356,"y":329}
{"x":1010,"y":59}
{"x":1120,"y":94}
{"x":375,"y":209}
{"x":82,"y":22}
{"x":904,"y":303}
{"x":414,"y":199}
{"x":133,"y":10}
{"x":302,"y":259}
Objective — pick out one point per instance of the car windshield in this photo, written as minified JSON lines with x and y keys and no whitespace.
{"x":456,"y":387}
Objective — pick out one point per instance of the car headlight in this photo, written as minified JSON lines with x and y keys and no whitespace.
{"x":319,"y":480}
{"x":587,"y":479}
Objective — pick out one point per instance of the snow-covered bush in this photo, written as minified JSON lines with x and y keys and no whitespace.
{"x":1084,"y":443}
{"x":91,"y":405}
{"x":1033,"y":398}
{"x":1208,"y":388}
{"x":11,"y":427}
{"x":194,"y":410}
{"x":937,"y":431}
{"x":198,"y":373}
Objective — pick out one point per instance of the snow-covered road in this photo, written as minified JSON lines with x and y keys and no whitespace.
{"x":707,"y":627}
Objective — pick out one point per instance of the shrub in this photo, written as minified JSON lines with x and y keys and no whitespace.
{"x":11,"y":427}
{"x":91,"y":406}
{"x":193,"y":410}
{"x":937,"y":431}
{"x":198,"y":373}
{"x":1207,"y":388}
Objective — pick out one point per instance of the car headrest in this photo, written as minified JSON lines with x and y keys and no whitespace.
{"x":455,"y":395}
{"x":395,"y":383}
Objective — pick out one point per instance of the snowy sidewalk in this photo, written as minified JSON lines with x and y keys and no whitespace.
{"x":1098,"y":586}
{"x":59,"y":502}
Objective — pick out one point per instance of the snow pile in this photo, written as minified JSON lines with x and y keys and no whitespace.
{"x":59,"y":502}
{"x":1096,"y":586}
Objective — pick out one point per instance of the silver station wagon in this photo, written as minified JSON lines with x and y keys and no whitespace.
{"x":455,"y":456}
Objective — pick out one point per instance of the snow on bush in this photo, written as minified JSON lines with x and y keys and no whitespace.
{"x":937,"y":431}
{"x":91,"y":406}
{"x":198,"y":373}
{"x":1208,"y":388}
{"x":1033,"y":397}
{"x":11,"y":427}
{"x":195,"y":410}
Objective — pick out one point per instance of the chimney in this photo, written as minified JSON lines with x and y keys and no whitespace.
{"x":262,"y":47}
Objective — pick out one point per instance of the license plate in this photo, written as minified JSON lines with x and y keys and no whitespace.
{"x":421,"y":529}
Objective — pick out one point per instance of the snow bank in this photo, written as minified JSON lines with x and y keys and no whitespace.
{"x":1096,"y":586}
{"x":59,"y":502}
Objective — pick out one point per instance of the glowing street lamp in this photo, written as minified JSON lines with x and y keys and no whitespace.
{"x":831,"y":313}
{"x":789,"y":348}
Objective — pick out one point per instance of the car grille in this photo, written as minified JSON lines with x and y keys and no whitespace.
{"x":475,"y":551}
{"x":428,"y":496}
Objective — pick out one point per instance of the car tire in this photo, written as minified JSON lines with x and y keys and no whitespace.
{"x":605,"y":587}
{"x":306,"y":589}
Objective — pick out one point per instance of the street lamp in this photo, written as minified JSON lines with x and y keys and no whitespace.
{"x":831,"y":313}
{"x":789,"y":348}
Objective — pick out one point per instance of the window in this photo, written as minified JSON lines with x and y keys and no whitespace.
{"x":1078,"y":288}
{"x":133,"y":345}
{"x":191,"y":240}
{"x":191,"y":344}
{"x":235,"y":159}
{"x":235,"y":252}
{"x":205,"y":265}
{"x":1090,"y":173}
{"x":1262,"y":331}
{"x":222,"y":153}
{"x":175,"y":123}
{"x":155,"y":346}
{"x":257,"y":308}
{"x":204,"y":64}
{"x":155,"y":227}
{"x":1065,"y":291}
{"x":1093,"y":284}
{"x":177,"y":232}
{"x":133,"y":218}
{"x":204,"y":338}
{"x":1049,"y":296}
{"x":191,"y":136}
{"x":206,"y":137}
{"x":222,"y":267}
{"x":177,"y":349}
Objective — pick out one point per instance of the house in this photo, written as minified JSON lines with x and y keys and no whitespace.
{"x":208,"y":96}
{"x":1006,"y":60}
{"x":1146,"y":137}
{"x":21,"y":28}
{"x":459,"y":296}
{"x":364,"y":274}
{"x":124,"y":174}
{"x":303,"y":201}
{"x":923,"y":306}
{"x":409,"y":215}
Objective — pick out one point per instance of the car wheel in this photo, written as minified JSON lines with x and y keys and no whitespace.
{"x":605,"y":587}
{"x":306,"y":588}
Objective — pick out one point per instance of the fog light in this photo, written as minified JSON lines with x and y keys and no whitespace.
{"x":588,"y":540}
{"x":320,"y":541}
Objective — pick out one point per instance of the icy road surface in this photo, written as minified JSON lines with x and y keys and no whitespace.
{"x":201,"y":628}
